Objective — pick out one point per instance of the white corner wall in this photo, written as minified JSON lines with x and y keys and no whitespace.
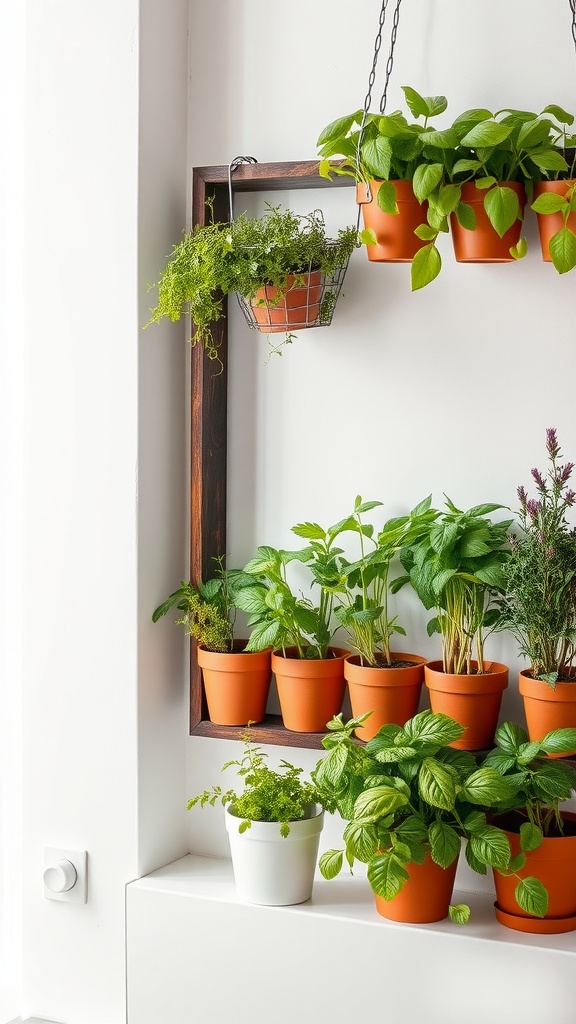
{"x":105,"y":465}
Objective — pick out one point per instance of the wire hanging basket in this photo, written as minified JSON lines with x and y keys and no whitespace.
{"x":308,"y":294}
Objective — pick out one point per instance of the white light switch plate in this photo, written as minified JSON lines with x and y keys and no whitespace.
{"x":79,"y":858}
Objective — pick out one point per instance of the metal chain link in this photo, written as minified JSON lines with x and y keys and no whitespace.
{"x":390,"y":61}
{"x":389,"y":65}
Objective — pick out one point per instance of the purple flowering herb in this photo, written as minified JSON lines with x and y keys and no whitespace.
{"x":552,"y":442}
{"x":533,"y":507}
{"x":570,"y":497}
{"x":539,"y":480}
{"x":522,"y":496}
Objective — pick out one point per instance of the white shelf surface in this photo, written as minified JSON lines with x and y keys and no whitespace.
{"x":196,"y":953}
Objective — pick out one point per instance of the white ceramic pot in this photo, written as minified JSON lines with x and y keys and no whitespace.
{"x":272,"y":870}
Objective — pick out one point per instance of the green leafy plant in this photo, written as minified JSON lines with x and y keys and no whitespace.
{"x":216,"y":259}
{"x":362,"y":587}
{"x":281,"y":618}
{"x":480,"y":146}
{"x":208,"y":608}
{"x":267,"y":795}
{"x":456,"y":566}
{"x":539,"y":786}
{"x":539,"y":605}
{"x":406,"y":793}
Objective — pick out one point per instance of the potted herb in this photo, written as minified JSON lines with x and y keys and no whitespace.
{"x":380,"y":680}
{"x":389,"y":157}
{"x":308,"y":668}
{"x":409,"y":799}
{"x":274,"y":825}
{"x":537,"y":892}
{"x":539,"y":603}
{"x":236,"y":681}
{"x":555,"y":202}
{"x":456,"y":567}
{"x":284,"y":268}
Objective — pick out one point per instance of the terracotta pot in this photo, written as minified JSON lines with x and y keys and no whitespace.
{"x":236,"y":684}
{"x":545,"y":708}
{"x":397,"y":242}
{"x":550,"y":223}
{"x":554,"y":864}
{"x":472,"y":700}
{"x":310,"y":690}
{"x":484,"y":245}
{"x":424,"y":897}
{"x":299,"y":307}
{"x":392,"y":694}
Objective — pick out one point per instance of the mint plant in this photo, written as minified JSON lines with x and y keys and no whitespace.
{"x":406,"y":793}
{"x":539,"y":786}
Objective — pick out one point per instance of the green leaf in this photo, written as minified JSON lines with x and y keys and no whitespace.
{"x":559,"y":113}
{"x":444,"y":843}
{"x":534,"y":133}
{"x":361,"y":840}
{"x":445,"y":139}
{"x":426,"y":178}
{"x":532,"y":897}
{"x":386,"y":198}
{"x":377,"y":802}
{"x":559,"y":741}
{"x":330,"y":863}
{"x":425,"y":232}
{"x":426,"y":266}
{"x":436,"y":784}
{"x":502,"y":207}
{"x":377,"y":156}
{"x":263,"y":636}
{"x":484,"y":183}
{"x":464,"y":166}
{"x":486,"y":786}
{"x":554,"y":781}
{"x":459,"y":914}
{"x":433,"y":728}
{"x":448,"y":198}
{"x":330,"y":769}
{"x":339,"y":128}
{"x":368,"y":237}
{"x":424,"y":106}
{"x":548,"y":202}
{"x":563,"y":250}
{"x":517,"y":862}
{"x":530,"y":837}
{"x":466,"y":216}
{"x":486,"y":134}
{"x":510,"y":737}
{"x":519,"y":251}
{"x":548,"y":160}
{"x":386,"y":875}
{"x":490,"y":846}
{"x":310,"y":531}
{"x":252,"y":600}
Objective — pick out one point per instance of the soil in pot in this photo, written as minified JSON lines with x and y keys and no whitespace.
{"x":236,"y":684}
{"x":545,"y":708}
{"x":425,"y":897}
{"x":554,"y":863}
{"x":472,"y":700}
{"x":392,"y":694}
{"x":397,"y":242}
{"x":483,"y":244}
{"x":310,"y":690}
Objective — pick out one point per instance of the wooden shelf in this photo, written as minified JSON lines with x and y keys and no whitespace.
{"x":209,"y":413}
{"x":271,"y":730}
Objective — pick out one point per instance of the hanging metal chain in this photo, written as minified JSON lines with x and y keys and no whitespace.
{"x":232,"y":167}
{"x":390,"y":61}
{"x":389,"y":65}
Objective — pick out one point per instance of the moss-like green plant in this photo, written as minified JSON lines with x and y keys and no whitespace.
{"x":268,"y":795}
{"x":215,"y":259}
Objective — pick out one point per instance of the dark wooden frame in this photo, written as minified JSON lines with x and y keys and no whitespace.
{"x":209,"y":424}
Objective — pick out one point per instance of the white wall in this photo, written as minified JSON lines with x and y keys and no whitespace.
{"x":104,"y":521}
{"x":446,"y":390}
